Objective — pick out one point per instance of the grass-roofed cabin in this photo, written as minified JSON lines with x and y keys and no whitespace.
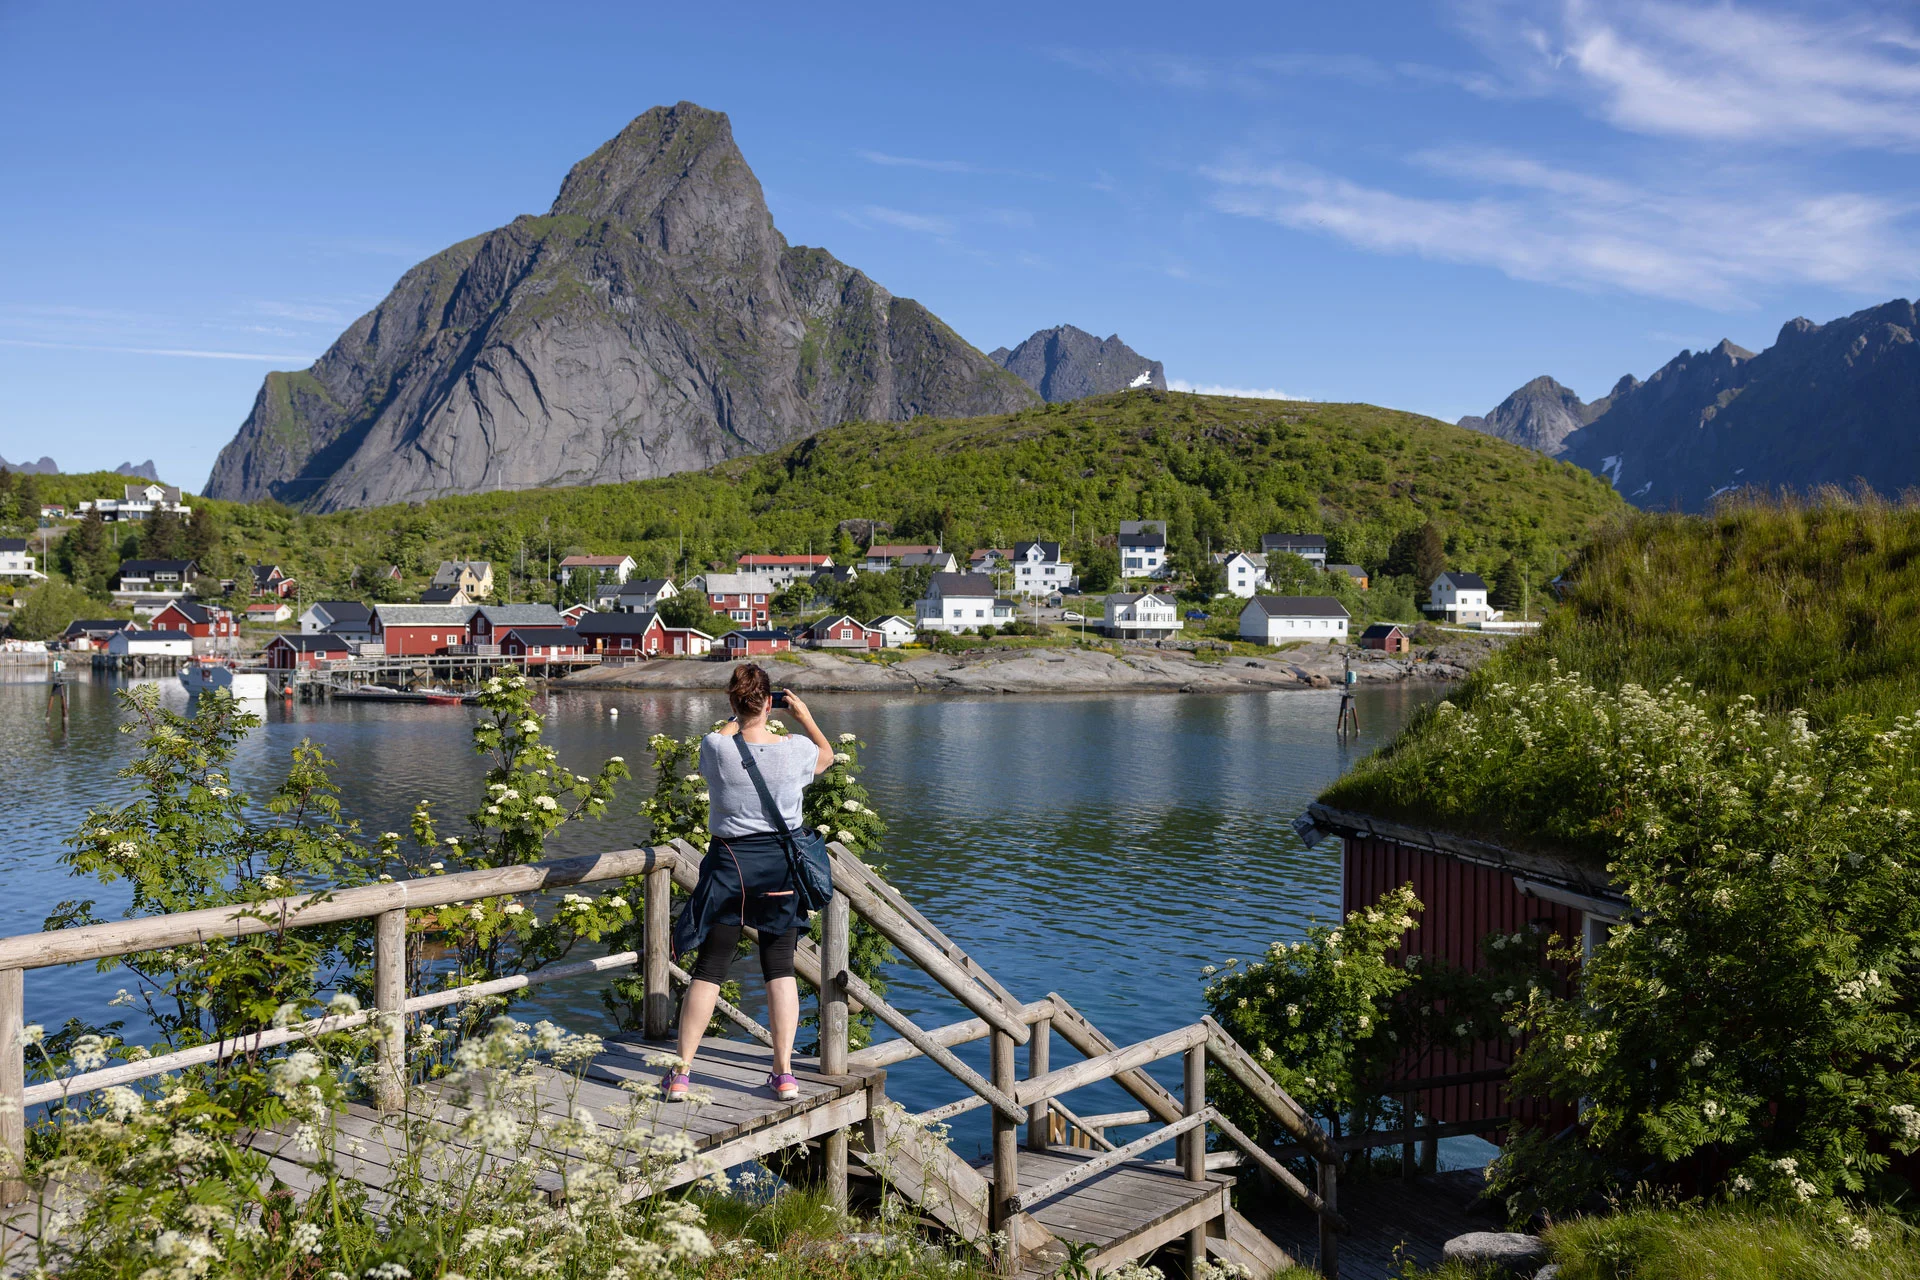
{"x":1714,"y":740}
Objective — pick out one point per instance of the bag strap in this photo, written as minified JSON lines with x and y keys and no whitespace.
{"x":771,"y":809}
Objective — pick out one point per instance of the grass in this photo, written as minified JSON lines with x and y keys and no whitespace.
{"x":1810,"y":605}
{"x":1723,"y":1243}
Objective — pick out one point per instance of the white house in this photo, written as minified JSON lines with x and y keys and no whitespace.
{"x":1460,"y":598}
{"x":960,"y":602}
{"x":168,"y":578}
{"x":1311,"y":547}
{"x":614,"y":569}
{"x":1143,"y":548}
{"x":16,"y":561}
{"x":139,"y":502}
{"x":262,"y":611}
{"x":1246,"y":571}
{"x":1278,"y":619}
{"x":1038,"y":569}
{"x":882,"y":556}
{"x":894,"y":629}
{"x":1141,"y":616}
{"x":348,"y":619}
{"x":783,"y":571}
{"x":637,"y":595}
{"x":151,"y":644}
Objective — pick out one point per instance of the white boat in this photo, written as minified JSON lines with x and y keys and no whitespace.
{"x":205,"y":677}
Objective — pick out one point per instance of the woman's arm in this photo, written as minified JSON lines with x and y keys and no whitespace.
{"x":824,"y":758}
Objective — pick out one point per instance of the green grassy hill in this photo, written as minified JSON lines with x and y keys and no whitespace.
{"x":1222,"y":471}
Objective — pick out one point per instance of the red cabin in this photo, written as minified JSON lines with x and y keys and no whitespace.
{"x":201,"y":621}
{"x":540,"y":644}
{"x":297,"y":652}
{"x":420,"y":630}
{"x":843,"y":632}
{"x":745,"y":644}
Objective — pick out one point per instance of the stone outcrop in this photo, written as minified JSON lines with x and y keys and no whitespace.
{"x":1065,"y":363}
{"x":1540,"y":415}
{"x":652,"y":321}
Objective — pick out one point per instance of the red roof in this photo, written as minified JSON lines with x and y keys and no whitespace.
{"x":806,"y":561}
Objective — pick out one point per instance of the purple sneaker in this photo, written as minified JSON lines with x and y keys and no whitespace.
{"x":674,"y":1088}
{"x":785,"y":1087}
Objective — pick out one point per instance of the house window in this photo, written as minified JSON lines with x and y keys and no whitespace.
{"x":759,"y":599}
{"x":626,"y":642}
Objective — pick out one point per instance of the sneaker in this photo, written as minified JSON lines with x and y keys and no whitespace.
{"x":785,"y":1087}
{"x":676,"y":1086}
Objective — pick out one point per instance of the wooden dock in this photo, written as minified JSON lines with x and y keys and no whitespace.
{"x":1035,"y":1195}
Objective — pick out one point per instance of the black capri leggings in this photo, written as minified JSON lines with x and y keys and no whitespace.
{"x":716,"y":953}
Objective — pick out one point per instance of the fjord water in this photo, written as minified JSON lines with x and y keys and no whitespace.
{"x":1104,"y":848}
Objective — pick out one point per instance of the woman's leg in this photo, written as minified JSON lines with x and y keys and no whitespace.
{"x":709,"y":971}
{"x":783,"y":995}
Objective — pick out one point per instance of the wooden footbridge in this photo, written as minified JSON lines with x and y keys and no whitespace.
{"x":1064,"y":1184}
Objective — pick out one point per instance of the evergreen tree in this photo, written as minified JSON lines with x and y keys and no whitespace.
{"x":690,"y":609}
{"x":1420,"y":554}
{"x":1509,"y":585}
{"x":9,"y":496}
{"x":163,"y":536}
{"x":204,"y":540}
{"x":87,"y":554}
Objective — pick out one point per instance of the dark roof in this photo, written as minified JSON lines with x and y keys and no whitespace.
{"x":1293,"y":541}
{"x":263,"y":574}
{"x":642,"y":586}
{"x":545,"y":635}
{"x":194,"y":613}
{"x":1144,"y":538}
{"x":344,"y":611}
{"x":147,"y":568}
{"x":1351,"y":570}
{"x":439,"y":595}
{"x":1048,"y":550}
{"x":777,"y":633}
{"x":1381,"y":630}
{"x":90,"y":625}
{"x":13,"y":544}
{"x":160,"y":635}
{"x":1299,"y":607}
{"x":1143,"y":526}
{"x":615,"y":624}
{"x":836,"y":573}
{"x":519,"y":615}
{"x":1463,"y":581}
{"x":962,"y":584}
{"x":320,"y":643}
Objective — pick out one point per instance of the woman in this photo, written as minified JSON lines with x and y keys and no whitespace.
{"x":744,"y":879}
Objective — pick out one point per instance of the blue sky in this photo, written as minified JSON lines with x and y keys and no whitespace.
{"x":1417,"y":205}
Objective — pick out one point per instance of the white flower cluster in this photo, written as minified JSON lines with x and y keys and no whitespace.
{"x":1856,"y":989}
{"x":1906,"y":1120}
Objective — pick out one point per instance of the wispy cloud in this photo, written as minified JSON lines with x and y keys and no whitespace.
{"x":1216,"y":389}
{"x":306,"y":312}
{"x":925,"y":223}
{"x":1703,"y":241}
{"x":1721,"y":71}
{"x":268,"y":357}
{"x":1259,"y":75}
{"x":913,"y":162}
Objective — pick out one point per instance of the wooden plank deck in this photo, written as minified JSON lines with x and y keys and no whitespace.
{"x":1417,"y":1216}
{"x":1127,"y":1212}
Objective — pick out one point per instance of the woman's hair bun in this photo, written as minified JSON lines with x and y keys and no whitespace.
{"x":749,"y":689}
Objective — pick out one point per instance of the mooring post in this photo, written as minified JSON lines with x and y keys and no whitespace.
{"x":1006,"y":1155}
{"x":1040,"y":1114}
{"x":13,"y":1086}
{"x":1194,"y":1147}
{"x":1329,"y":1238}
{"x":1407,"y":1165}
{"x":390,"y":998}
{"x":656,"y":1015}
{"x":835,"y":954}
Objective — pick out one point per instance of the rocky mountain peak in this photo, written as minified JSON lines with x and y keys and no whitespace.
{"x":1066,"y":363}
{"x":664,"y":152}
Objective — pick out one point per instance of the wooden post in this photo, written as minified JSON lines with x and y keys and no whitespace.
{"x":1039,"y":1123}
{"x":1006,"y":1154}
{"x":835,"y":948}
{"x":1407,"y":1169}
{"x":1329,"y":1237}
{"x":390,"y":997}
{"x":13,"y":1084}
{"x":1430,"y":1155}
{"x":1194,"y":1146}
{"x":657,"y":1012}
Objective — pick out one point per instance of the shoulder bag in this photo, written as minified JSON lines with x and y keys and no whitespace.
{"x":807,"y":860}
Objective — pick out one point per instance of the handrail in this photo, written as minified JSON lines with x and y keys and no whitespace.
{"x":149,"y":933}
{"x":1000,"y":1100}
{"x":1240,"y":1065}
{"x":1090,"y":1040}
{"x":889,"y":1052}
{"x":1025,"y":1200}
{"x":1279,"y":1172}
{"x":1090,"y":1070}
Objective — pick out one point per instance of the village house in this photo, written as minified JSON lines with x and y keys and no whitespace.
{"x":1142,"y":615}
{"x":600,"y":570}
{"x":936,"y":560}
{"x":419,"y":630}
{"x":1353,"y":572}
{"x":444,"y":595}
{"x":154,"y":577}
{"x":641,"y":634}
{"x":16,"y":560}
{"x":1388,"y":637}
{"x":267,"y":612}
{"x":1038,"y":569}
{"x":825,"y":580}
{"x":882,"y":556}
{"x":475,"y":577}
{"x":958,"y":602}
{"x":841,"y":632}
{"x":348,"y":619}
{"x":1143,"y":548}
{"x":534,"y":645}
{"x":486,"y":622}
{"x":1246,"y":571}
{"x":637,"y":595}
{"x":740,"y":596}
{"x":783,"y":571}
{"x":305,"y":651}
{"x":894,"y":630}
{"x":150,"y":644}
{"x":138,"y":501}
{"x":574,"y":612}
{"x":1279,"y":619}
{"x":52,"y":511}
{"x":1311,"y":547}
{"x":990,"y":560}
{"x":762,"y":640}
{"x":214,"y":629}
{"x":268,"y":580}
{"x":1459,"y":598}
{"x":84,"y":634}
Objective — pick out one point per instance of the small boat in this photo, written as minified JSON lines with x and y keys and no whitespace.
{"x":443,"y":697}
{"x":209,"y":676}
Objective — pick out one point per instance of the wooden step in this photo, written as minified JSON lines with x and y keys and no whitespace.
{"x":922,"y":1168}
{"x":1234,"y":1239}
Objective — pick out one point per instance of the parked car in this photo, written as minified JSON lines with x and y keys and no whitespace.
{"x":1197,"y":615}
{"x":1071,"y":616}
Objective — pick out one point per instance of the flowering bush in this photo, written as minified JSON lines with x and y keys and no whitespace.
{"x":1758,"y":1006}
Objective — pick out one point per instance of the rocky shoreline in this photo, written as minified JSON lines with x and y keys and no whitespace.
{"x":1136,"y":669}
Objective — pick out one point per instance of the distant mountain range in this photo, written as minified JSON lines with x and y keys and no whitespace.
{"x":652,"y":321}
{"x":47,"y":467}
{"x":1825,"y":404}
{"x":1065,"y":363}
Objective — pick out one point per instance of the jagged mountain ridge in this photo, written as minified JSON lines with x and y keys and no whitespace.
{"x":1065,"y":363}
{"x":48,"y":467}
{"x":1830,"y":403}
{"x":652,"y":321}
{"x":1540,"y":415}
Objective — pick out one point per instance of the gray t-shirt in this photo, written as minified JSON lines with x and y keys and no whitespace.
{"x":734,"y":805}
